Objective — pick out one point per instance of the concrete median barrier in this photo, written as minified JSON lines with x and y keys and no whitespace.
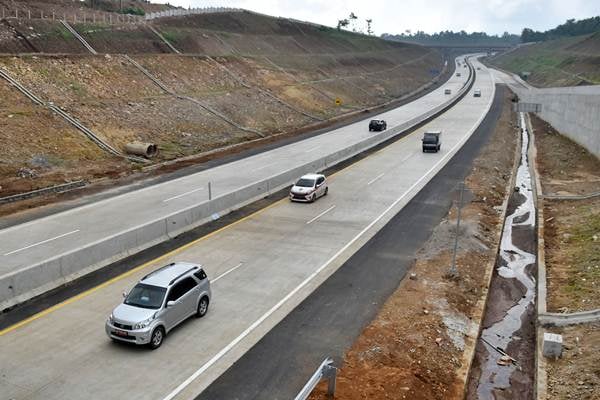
{"x":26,"y":283}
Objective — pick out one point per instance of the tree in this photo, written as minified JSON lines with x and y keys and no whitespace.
{"x":342,"y":23}
{"x":369,"y":22}
{"x":353,"y":18}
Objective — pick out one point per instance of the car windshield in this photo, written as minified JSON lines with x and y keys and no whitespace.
{"x":146,"y":296}
{"x":429,"y":138}
{"x":303,"y":182}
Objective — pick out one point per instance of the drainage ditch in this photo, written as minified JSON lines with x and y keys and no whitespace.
{"x":504,"y":360}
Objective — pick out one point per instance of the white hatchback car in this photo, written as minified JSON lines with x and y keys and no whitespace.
{"x":309,"y":188}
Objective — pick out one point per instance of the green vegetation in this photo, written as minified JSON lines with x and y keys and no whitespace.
{"x":62,"y":33}
{"x":133,"y":11}
{"x":567,"y":61}
{"x":570,"y":28}
{"x":78,"y":89}
{"x":450,"y":38}
{"x":585,"y":253}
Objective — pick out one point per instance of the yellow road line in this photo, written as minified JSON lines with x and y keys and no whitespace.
{"x":130,"y":272}
{"x":153,"y":261}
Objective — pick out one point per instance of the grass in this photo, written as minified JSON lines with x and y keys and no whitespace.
{"x":78,"y":89}
{"x":171,"y":36}
{"x":584,"y":253}
{"x":63,"y":33}
{"x":552,"y":63}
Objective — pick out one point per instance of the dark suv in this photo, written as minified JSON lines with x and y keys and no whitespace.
{"x":377,"y":125}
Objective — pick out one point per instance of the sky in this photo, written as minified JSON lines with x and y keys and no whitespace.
{"x":389,"y":16}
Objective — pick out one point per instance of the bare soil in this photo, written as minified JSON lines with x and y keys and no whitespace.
{"x":576,"y":375}
{"x":244,"y":66}
{"x":571,"y":227}
{"x":416,"y":344}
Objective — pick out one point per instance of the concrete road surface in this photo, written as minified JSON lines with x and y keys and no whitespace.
{"x":28,"y":244}
{"x":261,"y":268}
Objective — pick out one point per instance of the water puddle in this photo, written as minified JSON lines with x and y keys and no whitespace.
{"x":513,"y":265}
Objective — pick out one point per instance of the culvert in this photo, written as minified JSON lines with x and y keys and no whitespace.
{"x":147,"y":150}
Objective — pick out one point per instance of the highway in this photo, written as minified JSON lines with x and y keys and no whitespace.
{"x":23,"y":247}
{"x":261,"y":267}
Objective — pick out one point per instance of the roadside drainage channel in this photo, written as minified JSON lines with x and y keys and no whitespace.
{"x":504,"y":365}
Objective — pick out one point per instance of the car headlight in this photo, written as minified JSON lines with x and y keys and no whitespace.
{"x":145,"y":323}
{"x":111,"y":318}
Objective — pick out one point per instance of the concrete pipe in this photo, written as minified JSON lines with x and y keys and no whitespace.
{"x":147,"y":150}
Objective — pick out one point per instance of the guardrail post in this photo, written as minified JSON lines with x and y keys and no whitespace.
{"x":331,"y":373}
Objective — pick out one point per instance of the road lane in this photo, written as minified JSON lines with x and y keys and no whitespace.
{"x":66,"y":355}
{"x":136,"y":208}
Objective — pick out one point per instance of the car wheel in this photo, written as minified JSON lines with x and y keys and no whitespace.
{"x":157,"y":338}
{"x":202,"y":307}
{"x":326,"y":191}
{"x":313,"y":198}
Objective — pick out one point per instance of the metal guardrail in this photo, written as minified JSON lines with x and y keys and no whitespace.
{"x":325,"y":371}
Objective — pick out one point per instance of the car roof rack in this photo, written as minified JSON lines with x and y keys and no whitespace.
{"x":157,"y":270}
{"x":182,"y":274}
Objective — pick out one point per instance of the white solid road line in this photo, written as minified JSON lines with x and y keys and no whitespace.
{"x":376,"y":178}
{"x":320,"y":215}
{"x":227,"y":272}
{"x":182,"y":194}
{"x":266,"y":315}
{"x":42,"y":242}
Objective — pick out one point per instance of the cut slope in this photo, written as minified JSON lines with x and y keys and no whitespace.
{"x":242,"y":76}
{"x":562,"y":62}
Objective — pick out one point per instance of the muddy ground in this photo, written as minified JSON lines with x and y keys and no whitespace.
{"x":571,"y":227}
{"x":416,"y":345}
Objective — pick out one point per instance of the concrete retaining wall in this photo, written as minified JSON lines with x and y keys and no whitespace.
{"x":573,"y":111}
{"x":34,"y":280}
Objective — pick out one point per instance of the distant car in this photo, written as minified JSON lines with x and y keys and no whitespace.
{"x":447,"y":91}
{"x":309,"y":188}
{"x":477,"y":93}
{"x":158,"y":303}
{"x":377,"y":125}
{"x":432,"y":141}
{"x":458,"y":74}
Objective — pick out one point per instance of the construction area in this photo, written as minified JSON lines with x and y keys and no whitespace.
{"x":502,"y":301}
{"x":188,"y":85}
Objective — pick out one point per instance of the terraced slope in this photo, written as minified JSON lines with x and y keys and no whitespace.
{"x":240,"y":76}
{"x":562,"y":62}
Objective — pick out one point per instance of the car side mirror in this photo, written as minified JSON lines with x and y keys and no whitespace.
{"x":124,"y":294}
{"x":171,"y":303}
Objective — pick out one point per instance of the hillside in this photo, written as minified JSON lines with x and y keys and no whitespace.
{"x":568,"y":61}
{"x":240,"y":76}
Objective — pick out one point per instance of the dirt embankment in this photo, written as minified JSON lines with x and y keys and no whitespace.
{"x":576,"y":375}
{"x":255,"y":72}
{"x":571,"y":227}
{"x":562,"y":62}
{"x":572,"y":250}
{"x":415,"y":346}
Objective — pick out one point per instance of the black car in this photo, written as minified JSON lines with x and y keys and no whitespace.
{"x":377,"y":125}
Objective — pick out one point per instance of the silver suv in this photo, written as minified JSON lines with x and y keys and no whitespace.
{"x":158,"y":303}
